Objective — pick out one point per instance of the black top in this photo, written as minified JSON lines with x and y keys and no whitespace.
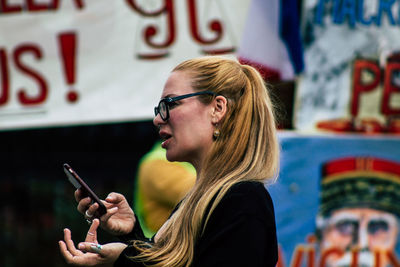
{"x":240,"y":232}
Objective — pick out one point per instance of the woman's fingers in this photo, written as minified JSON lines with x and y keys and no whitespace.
{"x":69,"y":244}
{"x":89,"y":213}
{"x":64,"y":250}
{"x":78,"y":195}
{"x":87,"y":207}
{"x":107,"y":252}
{"x":90,"y":253}
{"x":115,"y":198}
{"x":83,"y":204}
{"x":83,"y":259}
{"x":68,"y":256}
{"x":110,"y":212}
{"x":91,"y":247}
{"x":91,"y":235}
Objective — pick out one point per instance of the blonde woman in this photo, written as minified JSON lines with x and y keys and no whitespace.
{"x":216,"y":114}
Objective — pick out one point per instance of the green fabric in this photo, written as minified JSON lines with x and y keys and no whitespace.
{"x":156,"y":153}
{"x":362,"y":191}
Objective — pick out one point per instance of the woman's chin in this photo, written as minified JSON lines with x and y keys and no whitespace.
{"x":171,"y":156}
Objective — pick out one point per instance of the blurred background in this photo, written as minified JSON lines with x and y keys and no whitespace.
{"x":79,"y":80}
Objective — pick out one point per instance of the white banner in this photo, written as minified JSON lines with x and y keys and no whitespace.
{"x":92,"y":61}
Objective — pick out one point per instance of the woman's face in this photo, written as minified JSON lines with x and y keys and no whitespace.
{"x":188,"y":133}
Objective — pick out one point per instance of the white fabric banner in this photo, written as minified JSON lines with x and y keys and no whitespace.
{"x":93,"y":61}
{"x":269,"y":52}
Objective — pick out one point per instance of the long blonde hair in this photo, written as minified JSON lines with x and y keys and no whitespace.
{"x":246,"y":150}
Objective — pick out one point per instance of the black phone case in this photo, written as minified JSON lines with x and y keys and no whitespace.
{"x":78,"y":183}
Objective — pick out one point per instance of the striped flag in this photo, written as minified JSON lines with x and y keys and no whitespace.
{"x":271,"y":39}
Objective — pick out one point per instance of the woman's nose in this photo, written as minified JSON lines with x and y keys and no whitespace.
{"x":157,"y":120}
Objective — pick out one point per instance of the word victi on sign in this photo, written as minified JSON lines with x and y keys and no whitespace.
{"x":306,"y":255}
{"x":368,"y":77}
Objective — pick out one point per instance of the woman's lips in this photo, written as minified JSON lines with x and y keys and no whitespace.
{"x":166,"y":137}
{"x":165,"y":144}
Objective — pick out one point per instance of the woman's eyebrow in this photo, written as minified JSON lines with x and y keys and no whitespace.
{"x":170,"y":95}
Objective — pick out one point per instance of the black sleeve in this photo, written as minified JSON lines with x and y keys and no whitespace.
{"x":135,"y":234}
{"x":241,"y":230}
{"x":130,"y":251}
{"x":137,"y":231}
{"x":123,"y":259}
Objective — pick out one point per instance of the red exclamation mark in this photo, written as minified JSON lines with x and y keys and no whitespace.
{"x":67,"y":42}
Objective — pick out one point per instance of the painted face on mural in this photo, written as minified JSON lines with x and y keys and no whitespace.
{"x":366,"y":229}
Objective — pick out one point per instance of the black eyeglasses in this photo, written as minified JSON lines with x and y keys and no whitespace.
{"x":165,"y":103}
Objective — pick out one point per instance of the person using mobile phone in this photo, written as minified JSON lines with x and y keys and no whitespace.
{"x":216,"y":114}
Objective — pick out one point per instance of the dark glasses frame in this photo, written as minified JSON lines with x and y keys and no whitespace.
{"x":166,"y":102}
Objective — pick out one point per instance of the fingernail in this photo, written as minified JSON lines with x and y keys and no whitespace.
{"x":81,"y":246}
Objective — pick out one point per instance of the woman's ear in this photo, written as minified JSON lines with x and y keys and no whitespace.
{"x":219,"y":108}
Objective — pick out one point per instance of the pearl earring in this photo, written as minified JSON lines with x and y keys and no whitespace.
{"x":216,"y":134}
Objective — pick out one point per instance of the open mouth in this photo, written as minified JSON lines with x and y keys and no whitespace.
{"x":165,"y":136}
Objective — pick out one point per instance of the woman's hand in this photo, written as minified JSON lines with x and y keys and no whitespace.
{"x":90,"y":253}
{"x":118,"y":220}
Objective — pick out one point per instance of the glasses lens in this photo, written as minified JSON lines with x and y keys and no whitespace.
{"x":163,"y":110}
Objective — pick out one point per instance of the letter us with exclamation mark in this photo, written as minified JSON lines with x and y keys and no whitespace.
{"x":68,"y":48}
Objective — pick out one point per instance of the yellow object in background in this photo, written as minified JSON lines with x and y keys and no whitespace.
{"x":160,"y":185}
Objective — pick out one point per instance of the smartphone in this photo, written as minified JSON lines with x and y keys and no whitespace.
{"x":74,"y":178}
